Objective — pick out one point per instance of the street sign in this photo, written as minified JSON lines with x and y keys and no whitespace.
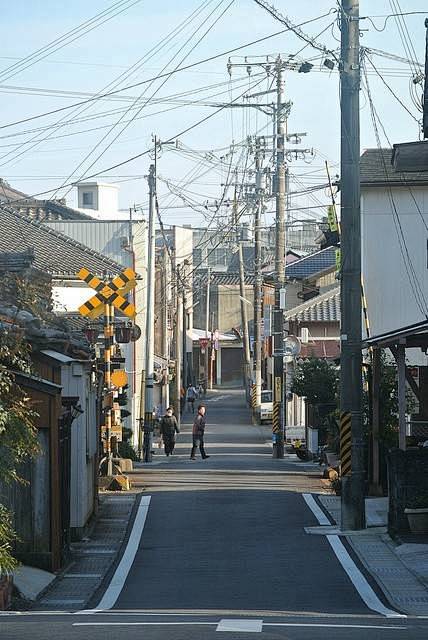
{"x":108,"y":293}
{"x":115,"y":432}
{"x":278,"y":389}
{"x":203,"y":342}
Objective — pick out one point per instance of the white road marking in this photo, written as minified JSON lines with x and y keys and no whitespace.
{"x":237,"y":626}
{"x":247,"y":626}
{"x":117,"y":582}
{"x":316,"y":510}
{"x":360,"y":583}
{"x":217,"y":398}
{"x":141,"y":624}
{"x":330,"y":626}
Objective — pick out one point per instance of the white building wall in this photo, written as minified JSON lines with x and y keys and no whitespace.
{"x":76,"y":381}
{"x":395,"y":268}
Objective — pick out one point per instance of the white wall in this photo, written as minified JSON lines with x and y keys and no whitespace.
{"x":76,"y":381}
{"x":105,"y":199}
{"x":70,"y":298}
{"x":392,"y":302}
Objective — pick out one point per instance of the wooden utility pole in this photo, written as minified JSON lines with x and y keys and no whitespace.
{"x":278,"y":417}
{"x":351,"y":426}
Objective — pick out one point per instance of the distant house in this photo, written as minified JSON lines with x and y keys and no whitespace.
{"x":35,"y":209}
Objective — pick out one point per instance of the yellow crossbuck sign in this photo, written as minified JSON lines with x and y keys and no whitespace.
{"x":108,"y":293}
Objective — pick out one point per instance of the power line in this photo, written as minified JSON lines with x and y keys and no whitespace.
{"x":65,"y":39}
{"x":138,"y":84}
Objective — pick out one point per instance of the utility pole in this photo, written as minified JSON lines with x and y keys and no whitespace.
{"x":351,"y":427}
{"x":244,"y":318}
{"x":184,"y":330}
{"x":108,"y":345}
{"x":177,"y":345}
{"x":207,"y":326}
{"x":258,"y":281}
{"x":165,"y":276}
{"x":150,"y":318}
{"x":279,"y":406}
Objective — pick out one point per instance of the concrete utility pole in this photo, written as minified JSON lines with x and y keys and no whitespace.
{"x":184,"y":330}
{"x":177,"y":346}
{"x":150,"y":319}
{"x":244,"y":316}
{"x":165,"y":277}
{"x":207,"y":326}
{"x":279,"y":411}
{"x":351,"y":427}
{"x":259,"y":280}
{"x":108,"y":346}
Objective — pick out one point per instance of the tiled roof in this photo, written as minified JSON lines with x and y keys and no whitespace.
{"x":54,"y":253}
{"x":376,"y":169}
{"x":225,"y":278}
{"x":311,"y":264}
{"x":323,"y":308}
{"x":35,"y":209}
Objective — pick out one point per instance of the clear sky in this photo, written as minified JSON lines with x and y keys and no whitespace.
{"x":91,"y":62}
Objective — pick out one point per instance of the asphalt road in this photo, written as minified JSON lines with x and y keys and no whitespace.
{"x":224,"y":550}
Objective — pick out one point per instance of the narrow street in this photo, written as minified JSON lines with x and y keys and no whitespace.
{"x":224,"y":549}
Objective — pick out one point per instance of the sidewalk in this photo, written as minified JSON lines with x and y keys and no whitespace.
{"x":400,"y":569}
{"x":92,"y":557}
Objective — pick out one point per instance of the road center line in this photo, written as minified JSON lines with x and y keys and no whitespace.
{"x":331,"y":626}
{"x":360,"y":583}
{"x":117,"y":582}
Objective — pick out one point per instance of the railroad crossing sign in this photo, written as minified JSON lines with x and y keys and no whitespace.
{"x":111,"y":292}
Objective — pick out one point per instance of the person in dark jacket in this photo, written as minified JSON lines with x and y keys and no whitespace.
{"x":198,"y":432}
{"x":168,"y":429}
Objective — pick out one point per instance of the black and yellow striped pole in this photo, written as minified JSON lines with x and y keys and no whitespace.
{"x":345,"y":444}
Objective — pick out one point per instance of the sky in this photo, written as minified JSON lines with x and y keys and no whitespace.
{"x":35,"y":159}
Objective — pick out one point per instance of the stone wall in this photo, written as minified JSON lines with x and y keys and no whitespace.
{"x":407,"y":478}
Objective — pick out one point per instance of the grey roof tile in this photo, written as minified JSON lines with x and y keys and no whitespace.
{"x":54,"y":253}
{"x":322,"y":308}
{"x":376,"y":169}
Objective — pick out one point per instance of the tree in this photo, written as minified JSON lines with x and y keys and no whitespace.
{"x":18,"y":436}
{"x":317,"y":380}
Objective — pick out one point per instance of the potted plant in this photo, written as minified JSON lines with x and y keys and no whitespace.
{"x":417,"y":513}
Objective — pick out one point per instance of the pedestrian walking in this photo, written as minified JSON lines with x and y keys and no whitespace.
{"x":192,"y":394}
{"x":168,"y":429}
{"x":198,"y":432}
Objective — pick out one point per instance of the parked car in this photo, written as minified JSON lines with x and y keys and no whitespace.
{"x":266,"y":407}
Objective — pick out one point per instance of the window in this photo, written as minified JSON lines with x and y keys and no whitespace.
{"x":88,"y":199}
{"x":266,"y":396}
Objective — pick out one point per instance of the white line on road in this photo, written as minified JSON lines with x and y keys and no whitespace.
{"x":239,"y":625}
{"x":316,"y":510}
{"x":236,"y":626}
{"x":331,"y":626}
{"x":117,"y":582}
{"x":140,"y":624}
{"x":360,"y":583}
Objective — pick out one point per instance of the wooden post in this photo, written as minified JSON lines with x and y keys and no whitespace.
{"x":375,"y":488}
{"x":401,"y":366}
